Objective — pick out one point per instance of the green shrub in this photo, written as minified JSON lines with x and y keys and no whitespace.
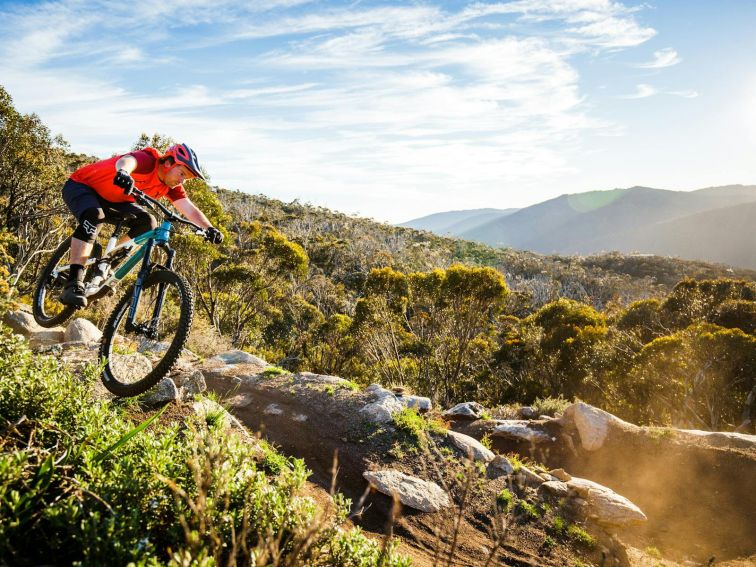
{"x":580,"y":536}
{"x":504,"y":500}
{"x":416,"y":426}
{"x":526,"y":509}
{"x":78,"y":483}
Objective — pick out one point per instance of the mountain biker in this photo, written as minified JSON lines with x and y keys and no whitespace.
{"x":101,"y":192}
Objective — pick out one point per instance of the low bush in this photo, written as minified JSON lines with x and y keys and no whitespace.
{"x":185,"y":493}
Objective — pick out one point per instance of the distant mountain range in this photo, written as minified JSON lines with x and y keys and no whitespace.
{"x":716,"y":224}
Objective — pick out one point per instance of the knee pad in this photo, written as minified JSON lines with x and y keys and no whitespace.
{"x":141,"y":223}
{"x":89,"y":224}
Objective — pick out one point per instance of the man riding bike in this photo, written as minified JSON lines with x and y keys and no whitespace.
{"x":101,"y":192}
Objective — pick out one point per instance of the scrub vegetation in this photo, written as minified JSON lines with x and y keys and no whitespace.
{"x":656,"y":341}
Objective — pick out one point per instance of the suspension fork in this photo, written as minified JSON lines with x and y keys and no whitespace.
{"x":170,"y":252}
{"x":144,"y":271}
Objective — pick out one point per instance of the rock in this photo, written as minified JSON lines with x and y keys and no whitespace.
{"x":164,"y":391}
{"x":191,"y":382}
{"x":719,"y":438}
{"x":312,"y":378}
{"x":83,"y":330}
{"x":527,"y":412}
{"x":22,"y":323}
{"x":604,"y":505}
{"x":473,"y":448}
{"x":272,"y":409}
{"x":46,"y":337}
{"x":528,"y":477}
{"x":555,"y":488}
{"x":560,"y":474}
{"x":239,"y":357}
{"x":374,"y":387}
{"x":420,"y":403}
{"x":592,"y":424}
{"x":466,"y":410}
{"x":413,"y":492}
{"x":131,"y":367}
{"x":146,"y":345}
{"x":499,"y":466}
{"x":52,"y":350}
{"x":520,"y":430}
{"x":383,"y":410}
{"x":300,"y":417}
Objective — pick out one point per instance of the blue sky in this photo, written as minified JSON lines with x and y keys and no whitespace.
{"x":397,"y":110}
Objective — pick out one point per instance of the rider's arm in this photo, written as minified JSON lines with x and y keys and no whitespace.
{"x":127,"y":163}
{"x":191,"y":212}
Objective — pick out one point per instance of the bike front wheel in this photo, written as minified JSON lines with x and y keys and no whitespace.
{"x":140,"y":353}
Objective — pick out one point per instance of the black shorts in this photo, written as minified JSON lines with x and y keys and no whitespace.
{"x":79,"y":197}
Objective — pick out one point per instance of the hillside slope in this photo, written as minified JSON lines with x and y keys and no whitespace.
{"x":639,"y":219}
{"x":456,"y":222}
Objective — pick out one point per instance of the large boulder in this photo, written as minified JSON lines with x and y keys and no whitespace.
{"x":414,"y":492}
{"x":164,"y":391}
{"x":383,"y":410}
{"x":592,"y":424}
{"x":22,"y":323}
{"x":520,"y":430}
{"x":605,"y":506}
{"x":499,"y":466}
{"x":420,"y":403}
{"x":190,"y":382}
{"x":718,"y":438}
{"x":239,"y":357}
{"x":466,"y":410}
{"x":471,"y":447}
{"x":82,"y":330}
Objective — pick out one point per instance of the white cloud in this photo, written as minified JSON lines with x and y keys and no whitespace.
{"x":662,"y":58}
{"x":645,"y":91}
{"x":357,"y":108}
{"x":642,"y":91}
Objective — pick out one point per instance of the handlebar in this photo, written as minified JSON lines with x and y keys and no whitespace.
{"x":144,"y":199}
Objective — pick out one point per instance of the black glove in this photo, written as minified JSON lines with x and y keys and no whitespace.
{"x":123,"y":180}
{"x":213,"y":235}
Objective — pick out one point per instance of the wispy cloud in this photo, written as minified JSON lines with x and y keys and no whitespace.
{"x":362,"y":107}
{"x":645,"y":91}
{"x":662,"y":58}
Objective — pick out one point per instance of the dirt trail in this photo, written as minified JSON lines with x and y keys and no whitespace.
{"x":326,"y":422}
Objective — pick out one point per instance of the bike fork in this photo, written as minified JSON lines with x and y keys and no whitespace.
{"x":144,"y":271}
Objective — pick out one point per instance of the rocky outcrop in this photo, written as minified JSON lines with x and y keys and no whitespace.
{"x":718,"y":438}
{"x":239,"y":357}
{"x":165,"y":391}
{"x":411,"y":491}
{"x":592,"y":424}
{"x":605,"y":506}
{"x":520,"y":430}
{"x":466,"y":410}
{"x":471,"y":447}
{"x":82,"y":330}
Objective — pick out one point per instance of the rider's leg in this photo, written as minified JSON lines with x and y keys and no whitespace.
{"x":82,"y":242}
{"x":141,"y":222}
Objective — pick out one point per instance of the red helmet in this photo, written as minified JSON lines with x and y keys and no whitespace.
{"x":184,"y":155}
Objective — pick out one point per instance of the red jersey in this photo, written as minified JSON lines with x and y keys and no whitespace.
{"x":99,"y":176}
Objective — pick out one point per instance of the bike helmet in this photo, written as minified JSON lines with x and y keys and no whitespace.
{"x":184,"y":155}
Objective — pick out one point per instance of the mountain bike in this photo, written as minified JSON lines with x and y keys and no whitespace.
{"x":146,"y":332}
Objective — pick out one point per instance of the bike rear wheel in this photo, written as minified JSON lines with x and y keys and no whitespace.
{"x":138,"y":356}
{"x":47,"y":309}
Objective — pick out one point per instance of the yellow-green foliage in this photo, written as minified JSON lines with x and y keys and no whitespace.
{"x":171,"y":494}
{"x":417,"y":426}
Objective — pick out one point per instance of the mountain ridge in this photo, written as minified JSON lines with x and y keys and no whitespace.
{"x":636,"y":219}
